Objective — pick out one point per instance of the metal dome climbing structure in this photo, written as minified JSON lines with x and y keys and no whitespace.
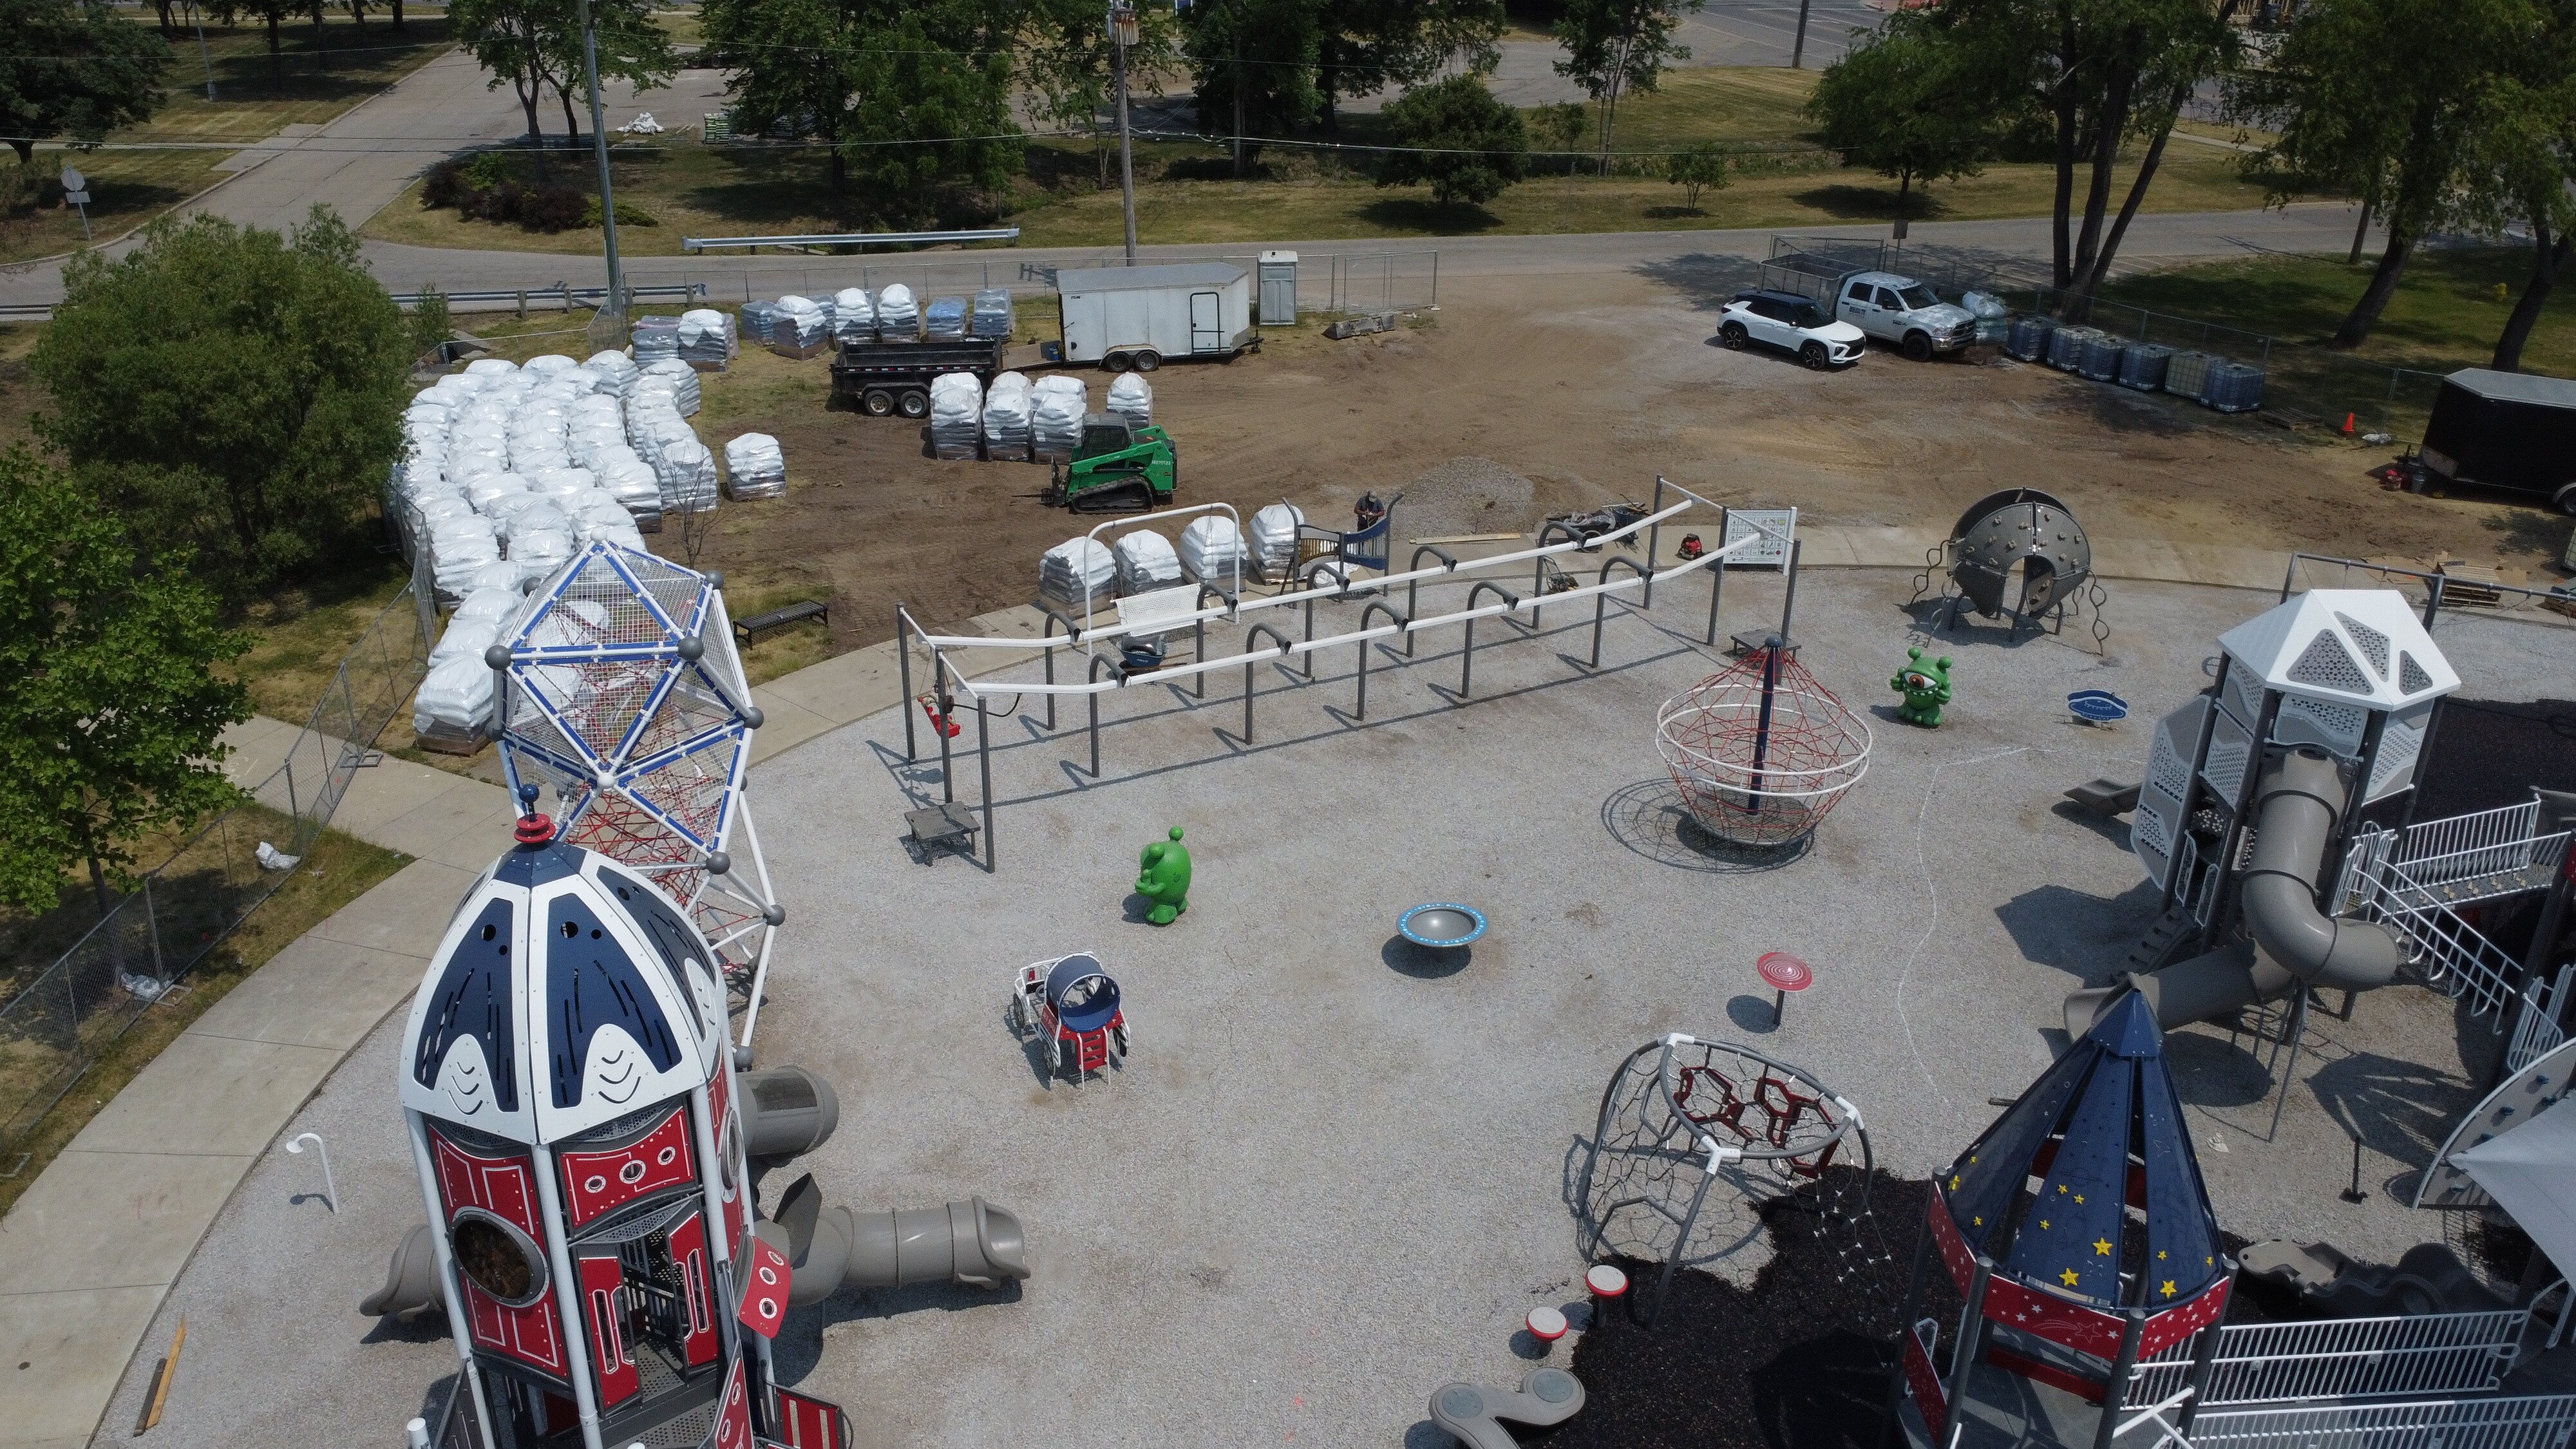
{"x":623,"y":696}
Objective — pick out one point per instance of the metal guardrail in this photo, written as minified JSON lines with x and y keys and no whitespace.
{"x":2349,"y":1358}
{"x":849,"y":239}
{"x":564,"y":294}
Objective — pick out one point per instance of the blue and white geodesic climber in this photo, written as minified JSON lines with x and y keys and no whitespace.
{"x":622,"y":695}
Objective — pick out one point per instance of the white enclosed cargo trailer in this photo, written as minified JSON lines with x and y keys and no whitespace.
{"x":1138,"y":317}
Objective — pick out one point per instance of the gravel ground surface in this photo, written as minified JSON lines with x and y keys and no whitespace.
{"x":1333,"y":1175}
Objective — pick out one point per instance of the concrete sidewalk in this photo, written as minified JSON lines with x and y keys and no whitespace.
{"x":88,"y":1254}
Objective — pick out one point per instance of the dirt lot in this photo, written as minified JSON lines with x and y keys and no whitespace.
{"x":1588,"y":386}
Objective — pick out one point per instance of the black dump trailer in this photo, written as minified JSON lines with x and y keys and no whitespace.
{"x":2506,"y":430}
{"x":886,"y":378}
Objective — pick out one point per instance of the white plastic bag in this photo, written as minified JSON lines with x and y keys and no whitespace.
{"x":1145,"y":561}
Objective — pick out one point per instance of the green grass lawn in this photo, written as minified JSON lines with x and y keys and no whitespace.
{"x":2446,"y":315}
{"x":319,"y":73}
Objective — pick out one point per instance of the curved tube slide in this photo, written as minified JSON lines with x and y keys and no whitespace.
{"x":2294,"y":818}
{"x":971,"y":1243}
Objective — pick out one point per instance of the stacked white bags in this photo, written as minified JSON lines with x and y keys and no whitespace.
{"x":993,"y":314}
{"x":1212,"y":551}
{"x":454,"y":705}
{"x":706,"y":339}
{"x":688,"y":477}
{"x":854,"y":317}
{"x":546,"y":365}
{"x":683,"y":381}
{"x":1077,"y":573}
{"x":617,"y":367}
{"x":1007,"y":406}
{"x":1274,"y":540}
{"x":956,"y":414}
{"x":801,"y":329}
{"x":1055,"y":422}
{"x":1132,"y":398}
{"x":656,"y":339}
{"x":1145,"y":561}
{"x":755,"y":467}
{"x":898,"y":316}
{"x":944,"y":320}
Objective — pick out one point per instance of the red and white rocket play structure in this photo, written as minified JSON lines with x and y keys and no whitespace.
{"x":585,"y":1136}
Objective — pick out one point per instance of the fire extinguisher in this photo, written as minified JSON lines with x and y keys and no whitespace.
{"x":939,"y":719}
{"x":1691,"y":548}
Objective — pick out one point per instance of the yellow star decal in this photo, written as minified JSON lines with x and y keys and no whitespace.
{"x":1978,"y":1222}
{"x":2209,"y":1262}
{"x":2079,"y":1197}
{"x":2061,"y":1187}
{"x":2160,"y":1255}
{"x":2069,"y":1277}
{"x":1954,"y":1182}
{"x":2043,"y":1224}
{"x":2102,"y":1246}
{"x":2169,"y":1288}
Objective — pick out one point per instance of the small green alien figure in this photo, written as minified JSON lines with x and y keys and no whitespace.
{"x":1926,"y":688}
{"x":1165,"y":879}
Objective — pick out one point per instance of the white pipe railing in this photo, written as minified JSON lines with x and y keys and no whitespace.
{"x":2540,"y":1422}
{"x":2347,"y":1358}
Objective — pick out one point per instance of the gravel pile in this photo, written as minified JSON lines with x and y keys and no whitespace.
{"x":1467,"y":495}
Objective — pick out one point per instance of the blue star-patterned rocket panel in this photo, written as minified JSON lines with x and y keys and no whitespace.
{"x":2182,"y":1233}
{"x":1989,"y":1175}
{"x":2070,"y":1236}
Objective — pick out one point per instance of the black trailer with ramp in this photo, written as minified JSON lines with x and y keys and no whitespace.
{"x":2507,"y":430}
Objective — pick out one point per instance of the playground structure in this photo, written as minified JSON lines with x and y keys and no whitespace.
{"x":1680,"y":1116}
{"x":621,"y":693}
{"x":585,"y":1129}
{"x":1760,"y":751}
{"x":1169,"y":610}
{"x":2113,"y":1258}
{"x":1074,"y":1010}
{"x":2018,"y":535}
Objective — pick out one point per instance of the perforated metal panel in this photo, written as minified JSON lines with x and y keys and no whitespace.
{"x":2401,"y":741}
{"x":2338,"y":727}
{"x":2372,"y":644}
{"x":2326,"y":664}
{"x":2231,"y":752}
{"x":2243,"y":693}
{"x":2151,"y":833}
{"x":2411,"y":676}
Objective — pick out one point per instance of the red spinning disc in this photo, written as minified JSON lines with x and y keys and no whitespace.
{"x":1784,"y":972}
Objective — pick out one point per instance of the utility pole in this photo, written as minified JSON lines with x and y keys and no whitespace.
{"x":1122,"y":34}
{"x":204,"y":55}
{"x":616,"y":300}
{"x":1798,"y":48}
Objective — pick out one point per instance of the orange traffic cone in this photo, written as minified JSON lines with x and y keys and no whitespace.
{"x":2347,"y":425}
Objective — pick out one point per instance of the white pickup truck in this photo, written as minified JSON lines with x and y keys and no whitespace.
{"x":1889,"y":306}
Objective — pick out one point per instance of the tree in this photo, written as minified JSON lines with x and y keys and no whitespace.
{"x":1467,"y":144}
{"x":2093,"y":76}
{"x":75,"y":68}
{"x":518,"y":41}
{"x":2528,"y":146}
{"x":1888,"y":106}
{"x":112,"y":723}
{"x":2391,"y":97}
{"x":631,"y":46}
{"x":1294,"y":59}
{"x":270,"y":14}
{"x":1065,"y":61}
{"x":927,"y":117}
{"x":1613,"y":47}
{"x":1696,"y":167}
{"x":229,"y":389}
{"x":789,"y":64}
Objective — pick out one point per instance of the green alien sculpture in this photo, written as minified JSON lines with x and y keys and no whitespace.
{"x":1165,"y":879}
{"x":1926,"y":688}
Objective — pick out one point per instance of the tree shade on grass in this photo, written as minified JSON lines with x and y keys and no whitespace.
{"x":229,"y":390}
{"x":1886,"y":107}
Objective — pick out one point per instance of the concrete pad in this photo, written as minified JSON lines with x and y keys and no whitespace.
{"x":315,"y":993}
{"x":109,"y":1221}
{"x":846,"y":687}
{"x":259,"y":745}
{"x":377,"y":797}
{"x":405,"y":913}
{"x":1826,"y":548}
{"x":208,"y":1094}
{"x":788,"y":725}
{"x":460,"y":827}
{"x":2236,"y":568}
{"x":1892,"y":548}
{"x":74,"y":1346}
{"x":2140,"y":559}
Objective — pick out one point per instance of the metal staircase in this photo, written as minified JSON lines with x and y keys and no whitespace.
{"x":2415,"y":885}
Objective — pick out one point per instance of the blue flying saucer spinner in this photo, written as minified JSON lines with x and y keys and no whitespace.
{"x":2100,"y":706}
{"x":1441,"y":924}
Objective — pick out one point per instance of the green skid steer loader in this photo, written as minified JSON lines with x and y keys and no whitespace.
{"x":1116,"y":468}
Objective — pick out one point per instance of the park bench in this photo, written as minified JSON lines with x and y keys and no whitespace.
{"x":748,"y":631}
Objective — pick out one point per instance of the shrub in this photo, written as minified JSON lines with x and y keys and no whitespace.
{"x":446,"y":187}
{"x":628,"y":214}
{"x":551,"y":208}
{"x":1471,"y":145}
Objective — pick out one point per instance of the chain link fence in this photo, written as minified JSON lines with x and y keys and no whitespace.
{"x":54,"y":1026}
{"x":1327,"y":282}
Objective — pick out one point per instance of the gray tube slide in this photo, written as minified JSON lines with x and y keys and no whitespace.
{"x":786,"y":1113}
{"x":2294,"y":817}
{"x":411,"y":1279}
{"x":971,"y":1243}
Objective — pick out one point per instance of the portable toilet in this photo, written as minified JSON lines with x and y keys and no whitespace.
{"x":1278,"y":289}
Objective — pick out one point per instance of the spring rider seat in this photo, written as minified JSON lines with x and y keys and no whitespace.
{"x":1072,"y":1006}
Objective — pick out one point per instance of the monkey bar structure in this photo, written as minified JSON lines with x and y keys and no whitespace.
{"x":1491,"y":595}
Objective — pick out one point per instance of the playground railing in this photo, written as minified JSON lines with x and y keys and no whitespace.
{"x":2539,"y":1422}
{"x":2349,"y":1358}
